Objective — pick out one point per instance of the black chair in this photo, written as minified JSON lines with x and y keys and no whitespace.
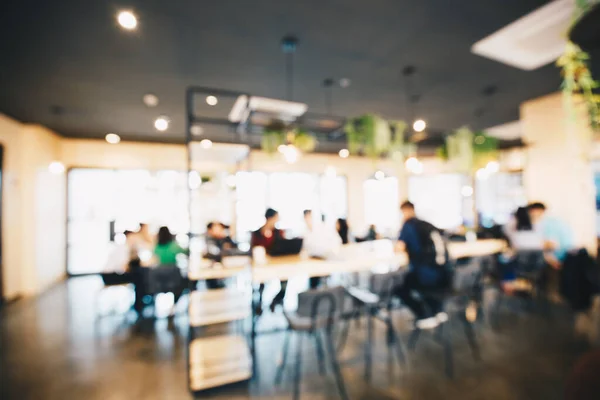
{"x":163,"y":279}
{"x":378,"y":303}
{"x":465,"y":291}
{"x":317,"y":311}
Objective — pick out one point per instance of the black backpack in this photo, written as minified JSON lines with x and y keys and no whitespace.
{"x":433,"y":249}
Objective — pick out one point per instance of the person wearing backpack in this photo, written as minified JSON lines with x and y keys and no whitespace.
{"x":428,"y":269}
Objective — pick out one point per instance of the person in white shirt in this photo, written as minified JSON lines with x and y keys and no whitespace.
{"x":121,"y":255}
{"x":319,"y":241}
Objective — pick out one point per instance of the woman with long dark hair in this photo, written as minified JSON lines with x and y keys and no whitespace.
{"x":341,"y":226}
{"x":167,"y":248}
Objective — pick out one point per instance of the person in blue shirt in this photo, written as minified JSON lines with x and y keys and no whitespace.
{"x":421,"y":276}
{"x":557,"y":236}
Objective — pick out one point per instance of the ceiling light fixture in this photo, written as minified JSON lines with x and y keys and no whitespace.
{"x":56,"y":168}
{"x":206,"y":144}
{"x":197,"y":130}
{"x":345,"y":82}
{"x":150,"y":100}
{"x":112,"y":138}
{"x":419,"y":125}
{"x":162,"y":123}
{"x":127,"y":20}
{"x":344,"y":153}
{"x":212,"y":100}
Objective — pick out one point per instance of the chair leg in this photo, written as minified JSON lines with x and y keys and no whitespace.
{"x":414,"y":337}
{"x":336,"y":366}
{"x":343,"y":336}
{"x":448,"y":353}
{"x":368,"y":348}
{"x":298,"y":371}
{"x":320,"y":352}
{"x":471,"y":338}
{"x":398,"y":343}
{"x":286,"y":345}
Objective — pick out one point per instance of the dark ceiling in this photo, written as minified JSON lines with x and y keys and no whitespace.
{"x":66,"y":64}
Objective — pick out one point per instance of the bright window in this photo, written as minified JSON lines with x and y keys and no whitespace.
{"x":382,"y":205}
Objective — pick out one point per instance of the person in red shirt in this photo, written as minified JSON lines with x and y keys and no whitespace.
{"x":266,"y":237}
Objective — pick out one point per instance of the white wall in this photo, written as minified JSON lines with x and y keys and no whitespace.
{"x":558,"y":170}
{"x":33,"y":209}
{"x":11,"y":207}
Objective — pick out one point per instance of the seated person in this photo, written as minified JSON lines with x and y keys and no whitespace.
{"x":167,"y":248}
{"x":557,"y":236}
{"x":266,"y":237}
{"x":343,"y":230}
{"x":428,"y":257}
{"x":120,"y":256}
{"x":319,"y":241}
{"x":217,"y":240}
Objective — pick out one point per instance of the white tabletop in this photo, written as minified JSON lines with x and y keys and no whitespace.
{"x":354,"y":257}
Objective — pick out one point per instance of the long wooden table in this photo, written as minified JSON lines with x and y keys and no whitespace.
{"x":355,"y":257}
{"x":206,"y":372}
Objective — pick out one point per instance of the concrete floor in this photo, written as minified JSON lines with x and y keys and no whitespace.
{"x":53,"y":348}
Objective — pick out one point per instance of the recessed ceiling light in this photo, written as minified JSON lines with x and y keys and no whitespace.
{"x":150,"y":100}
{"x":112,"y":138}
{"x":197,"y":130}
{"x":162,"y":123}
{"x":419,"y":125}
{"x":56,"y":167}
{"x":345,"y":82}
{"x":212,"y":100}
{"x":127,"y":20}
{"x":344,"y":153}
{"x":206,"y":144}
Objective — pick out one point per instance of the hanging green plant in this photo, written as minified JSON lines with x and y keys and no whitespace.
{"x":576,"y":74}
{"x":304,"y":141}
{"x":277,"y":134}
{"x":578,"y":80}
{"x":375,"y":137}
{"x":469,"y":151}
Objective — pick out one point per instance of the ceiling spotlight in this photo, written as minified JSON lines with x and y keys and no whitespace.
{"x":112,"y":138}
{"x":212,"y":100}
{"x":127,"y":20}
{"x":150,"y":100}
{"x":344,"y":153}
{"x":162,"y":123}
{"x":56,"y":167}
{"x":197,"y":130}
{"x":419,"y":125}
{"x":206,"y":144}
{"x":345,"y":82}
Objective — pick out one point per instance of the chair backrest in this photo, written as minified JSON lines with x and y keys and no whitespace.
{"x":468,"y":277}
{"x":383,"y":284}
{"x":322,"y":304}
{"x":530,"y":261}
{"x":163,"y":279}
